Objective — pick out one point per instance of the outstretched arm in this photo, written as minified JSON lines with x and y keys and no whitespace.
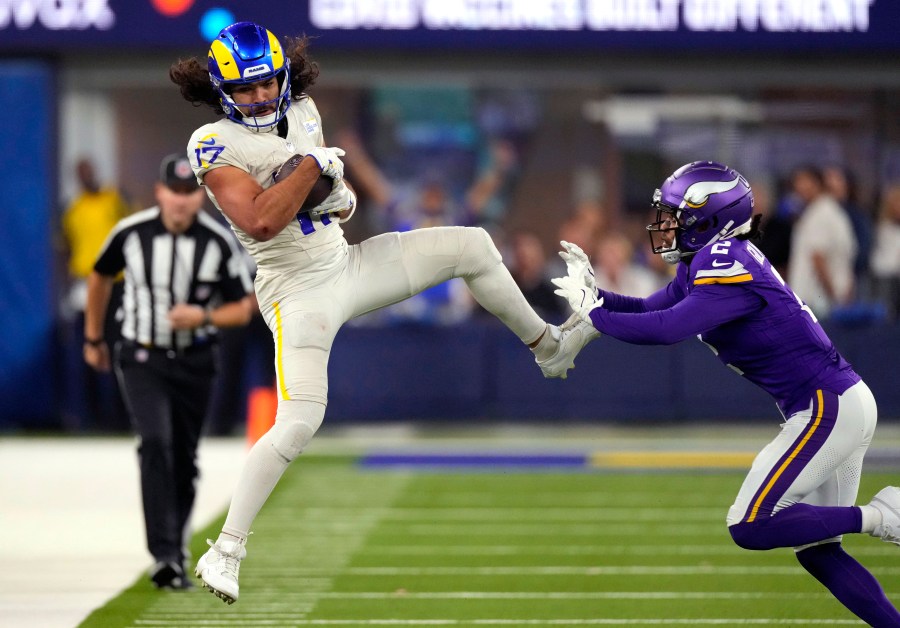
{"x":660,"y":300}
{"x":579,"y":268}
{"x":702,"y":310}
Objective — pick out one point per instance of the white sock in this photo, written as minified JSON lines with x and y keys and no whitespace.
{"x":229,"y":538}
{"x":871,"y":518}
{"x":548,"y":344}
{"x":265,"y":464}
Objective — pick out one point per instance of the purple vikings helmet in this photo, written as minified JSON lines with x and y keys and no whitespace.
{"x":700,"y":203}
{"x":246,"y":53}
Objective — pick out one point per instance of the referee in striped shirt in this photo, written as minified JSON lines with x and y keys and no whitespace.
{"x":183,"y":279}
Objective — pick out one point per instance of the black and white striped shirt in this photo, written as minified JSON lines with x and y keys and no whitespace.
{"x":201,"y":266}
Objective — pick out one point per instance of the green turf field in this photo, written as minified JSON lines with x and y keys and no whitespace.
{"x":338,"y":545}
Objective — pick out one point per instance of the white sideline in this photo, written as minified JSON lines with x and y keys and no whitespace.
{"x":71,"y":526}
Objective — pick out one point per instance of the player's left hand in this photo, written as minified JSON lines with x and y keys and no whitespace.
{"x":578,"y":266}
{"x":581,"y":298}
{"x":341,"y":199}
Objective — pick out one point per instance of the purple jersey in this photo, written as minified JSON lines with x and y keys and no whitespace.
{"x":734,"y":301}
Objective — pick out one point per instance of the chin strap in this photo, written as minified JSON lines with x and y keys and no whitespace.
{"x":671,"y":257}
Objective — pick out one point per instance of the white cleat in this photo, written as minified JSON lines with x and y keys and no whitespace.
{"x":218,"y":569}
{"x":887,"y":502}
{"x":573,"y":335}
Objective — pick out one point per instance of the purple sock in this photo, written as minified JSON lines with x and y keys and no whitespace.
{"x":850,"y":583}
{"x":797,"y":525}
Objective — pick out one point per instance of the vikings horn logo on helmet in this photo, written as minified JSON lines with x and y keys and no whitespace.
{"x":698,"y":194}
{"x":698,"y":204}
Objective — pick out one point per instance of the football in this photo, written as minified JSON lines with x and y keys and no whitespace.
{"x":319,"y":192}
{"x":320,"y":189}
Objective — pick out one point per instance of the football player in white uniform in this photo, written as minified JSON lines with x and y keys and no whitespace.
{"x":259,"y":164}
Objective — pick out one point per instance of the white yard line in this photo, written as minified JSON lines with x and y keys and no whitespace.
{"x":535,"y":595}
{"x":533,"y":530}
{"x":564,"y":570}
{"x":697,"y":551}
{"x":525,"y":514}
{"x":296,"y":623}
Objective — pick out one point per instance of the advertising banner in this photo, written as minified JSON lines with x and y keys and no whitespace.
{"x":836,"y":26}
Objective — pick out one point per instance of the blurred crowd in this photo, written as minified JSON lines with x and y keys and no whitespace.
{"x":842,"y":257}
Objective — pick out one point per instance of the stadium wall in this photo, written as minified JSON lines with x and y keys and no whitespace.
{"x":481,"y":371}
{"x":27,"y":181}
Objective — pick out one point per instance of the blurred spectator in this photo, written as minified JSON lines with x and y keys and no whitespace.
{"x":823,"y":246}
{"x":886,"y":253}
{"x":416,"y":205}
{"x":528,"y":266}
{"x":86,"y":222}
{"x":488,"y":198}
{"x":90,"y":399}
{"x":616,"y":270}
{"x":841,"y":184}
{"x":779,"y":211}
{"x":586,"y":225}
{"x":428,"y":201}
{"x":181,"y":285}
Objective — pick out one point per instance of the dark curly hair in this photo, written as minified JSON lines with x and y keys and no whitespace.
{"x":192,"y":77}
{"x":755,"y":233}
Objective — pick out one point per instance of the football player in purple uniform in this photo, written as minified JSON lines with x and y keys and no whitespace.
{"x":801,"y":489}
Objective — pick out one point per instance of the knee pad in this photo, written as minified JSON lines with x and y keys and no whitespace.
{"x":295,"y":424}
{"x":479,"y":253}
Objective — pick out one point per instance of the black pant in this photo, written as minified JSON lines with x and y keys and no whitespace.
{"x":167,"y":395}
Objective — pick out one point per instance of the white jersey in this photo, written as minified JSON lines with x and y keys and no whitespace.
{"x":309,"y":248}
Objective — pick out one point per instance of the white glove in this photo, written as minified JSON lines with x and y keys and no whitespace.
{"x":341,"y":199}
{"x":581,"y":298}
{"x":328,"y":159}
{"x":578,"y":266}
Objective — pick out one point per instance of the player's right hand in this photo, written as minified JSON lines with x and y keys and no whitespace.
{"x":581,"y":299}
{"x":578,"y":266}
{"x":328,"y":158}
